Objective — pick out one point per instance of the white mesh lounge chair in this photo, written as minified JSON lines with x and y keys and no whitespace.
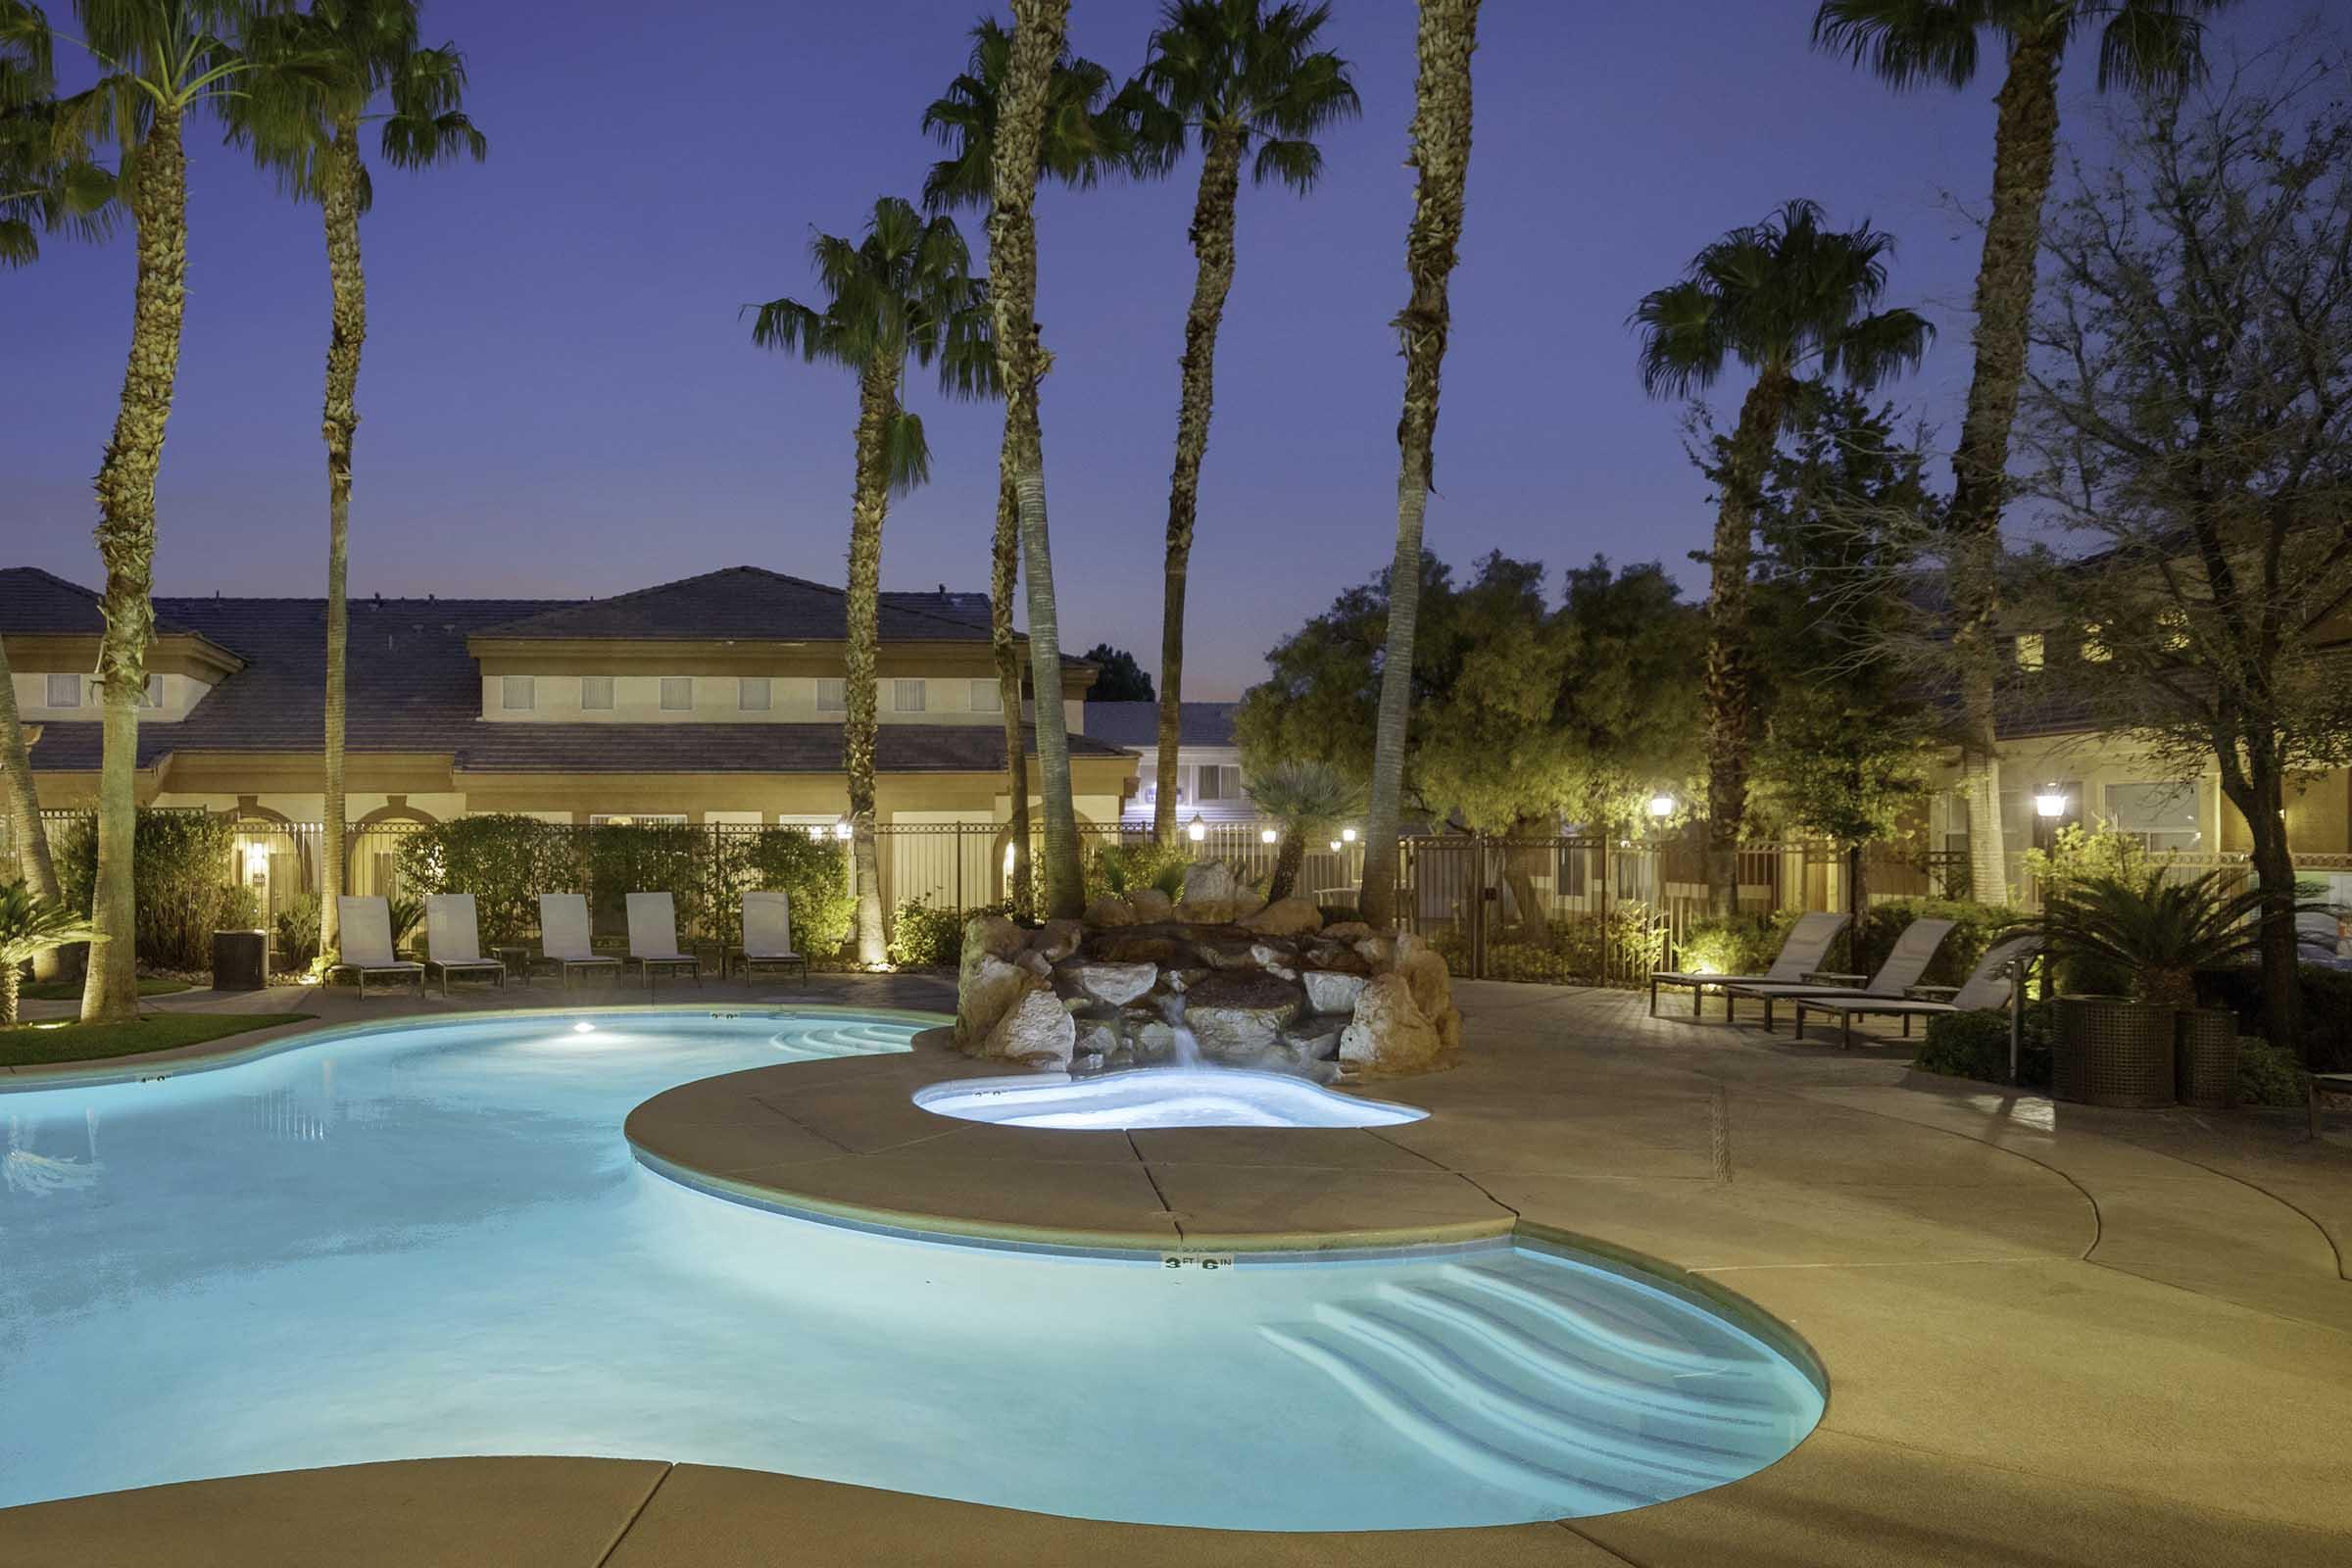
{"x":2319,"y":939}
{"x":653,"y":938}
{"x":564,"y":936}
{"x":367,"y":926}
{"x":1801,"y":951}
{"x":1913,"y":952}
{"x":1986,"y":988}
{"x":767,"y":934}
{"x":454,"y":938}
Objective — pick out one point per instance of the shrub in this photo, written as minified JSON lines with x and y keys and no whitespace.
{"x":1125,"y":868}
{"x":2267,"y":1076}
{"x":815,"y":874}
{"x":1976,"y":927}
{"x":1745,"y":944}
{"x":180,"y":877}
{"x":626,"y":858}
{"x":923,"y":937}
{"x":1577,"y":953}
{"x":297,"y":926}
{"x":505,"y":860}
{"x":1976,"y":1045}
{"x":2327,"y":1009}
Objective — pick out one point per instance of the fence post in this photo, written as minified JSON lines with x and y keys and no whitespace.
{"x":960,"y":904}
{"x":1478,"y":906}
{"x":1608,"y":946}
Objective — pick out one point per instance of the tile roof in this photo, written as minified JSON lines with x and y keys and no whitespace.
{"x":1137,"y":723}
{"x":33,"y":601}
{"x":749,"y":603}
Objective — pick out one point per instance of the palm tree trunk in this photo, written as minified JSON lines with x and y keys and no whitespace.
{"x":1212,"y":281}
{"x":1440,"y":136}
{"x":1038,"y":28}
{"x":1287,"y":861}
{"x":1004,"y":572}
{"x":126,"y":486}
{"x":2024,"y":152}
{"x":877,"y":410}
{"x":1729,"y":654}
{"x":26,"y":830}
{"x":349,"y":288}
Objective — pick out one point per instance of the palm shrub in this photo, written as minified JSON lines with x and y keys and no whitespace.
{"x":1309,"y":798}
{"x":2159,"y":931}
{"x":30,"y":925}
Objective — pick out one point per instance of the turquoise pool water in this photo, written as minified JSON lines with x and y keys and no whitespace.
{"x":433,"y":1240}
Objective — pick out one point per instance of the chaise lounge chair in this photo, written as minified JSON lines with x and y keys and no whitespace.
{"x":454,"y":938}
{"x":653,"y":938}
{"x":367,"y":938}
{"x":1987,"y":989}
{"x":1896,"y":978}
{"x":768,"y":935}
{"x":564,"y":936}
{"x":1801,"y":951}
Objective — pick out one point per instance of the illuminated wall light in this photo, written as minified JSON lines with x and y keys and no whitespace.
{"x":1195,"y":830}
{"x":2050,"y":803}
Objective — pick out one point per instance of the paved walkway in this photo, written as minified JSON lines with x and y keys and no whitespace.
{"x":2053,"y":1336}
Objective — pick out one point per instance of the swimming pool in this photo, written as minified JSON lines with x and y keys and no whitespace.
{"x":423,"y":1241}
{"x":1159,"y":1096}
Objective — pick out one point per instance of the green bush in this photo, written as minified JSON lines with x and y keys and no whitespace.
{"x":672,"y":857}
{"x":1745,"y":944}
{"x":181,"y":878}
{"x":297,"y":931}
{"x":814,"y":873}
{"x":2327,"y":1009}
{"x":1976,"y":927}
{"x":924,"y":937}
{"x":1976,"y":1045}
{"x":1125,"y":868}
{"x":1576,"y":954}
{"x":2267,"y":1076}
{"x":505,"y":860}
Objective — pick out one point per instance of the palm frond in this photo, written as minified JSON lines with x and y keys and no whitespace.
{"x":1908,"y":44}
{"x":2151,"y":45}
{"x":1248,"y":70}
{"x":1088,"y":131}
{"x":905,"y":455}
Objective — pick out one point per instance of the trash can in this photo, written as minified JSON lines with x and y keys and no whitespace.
{"x":240,"y":961}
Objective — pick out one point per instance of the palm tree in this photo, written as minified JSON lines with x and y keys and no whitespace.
{"x":30,"y":924}
{"x":1085,"y":137}
{"x":49,"y":184}
{"x":1440,"y":136}
{"x":331,"y":66}
{"x":2142,"y":44}
{"x":1309,"y":798}
{"x":1234,"y":74}
{"x":161,"y":61}
{"x":905,"y":291}
{"x":24,"y":805}
{"x":1038,"y":30}
{"x":1791,"y":301}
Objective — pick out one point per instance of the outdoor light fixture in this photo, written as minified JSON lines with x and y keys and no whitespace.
{"x":1266,"y":835}
{"x":1347,"y":835}
{"x":2051,"y":802}
{"x":817,"y":831}
{"x":842,"y":829}
{"x":1661,"y":804}
{"x":1335,"y":846}
{"x":1195,"y":830}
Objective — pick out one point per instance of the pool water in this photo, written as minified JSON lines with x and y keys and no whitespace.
{"x":1159,"y":1097}
{"x":414,"y":1241}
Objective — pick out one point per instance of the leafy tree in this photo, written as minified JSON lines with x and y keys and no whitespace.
{"x":2189,"y":424}
{"x":49,"y":182}
{"x":30,"y":924}
{"x":1444,"y":43}
{"x":330,"y":68}
{"x":1839,"y":770}
{"x":1040,"y":28}
{"x":1236,"y":76}
{"x":1123,"y":681}
{"x":905,"y":292}
{"x":1796,"y":303}
{"x":1906,"y":43}
{"x":1084,"y":138}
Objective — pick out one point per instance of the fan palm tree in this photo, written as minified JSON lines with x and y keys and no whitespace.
{"x":30,"y":924}
{"x":161,"y":62}
{"x":1309,"y":798}
{"x":23,"y":804}
{"x":1085,"y":137}
{"x":1445,"y":41}
{"x":1794,"y":302}
{"x":904,"y":292}
{"x":1241,"y":77}
{"x":2143,"y":44}
{"x":49,"y":184}
{"x":1040,"y":28}
{"x":330,"y":68}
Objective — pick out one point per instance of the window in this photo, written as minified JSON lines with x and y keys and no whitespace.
{"x":751,"y":694}
{"x":65,"y":691}
{"x":596,"y":694}
{"x":906,"y":696}
{"x":2162,"y":816}
{"x":987,"y":697}
{"x":637,"y":819}
{"x":832,"y":696}
{"x":1214,"y":783}
{"x":2028,"y":650}
{"x":2094,"y":652}
{"x":515,"y":693}
{"x":678,"y":693}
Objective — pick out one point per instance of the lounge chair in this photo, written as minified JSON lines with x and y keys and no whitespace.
{"x":767,"y":934}
{"x":653,"y":938}
{"x":1801,"y":951}
{"x":564,"y":936}
{"x":2319,"y":939}
{"x":1913,"y":952}
{"x":1988,"y":987}
{"x":454,"y":937}
{"x":367,"y":938}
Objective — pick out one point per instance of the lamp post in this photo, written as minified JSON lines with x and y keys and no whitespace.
{"x":1661,"y":805}
{"x":1195,"y":830}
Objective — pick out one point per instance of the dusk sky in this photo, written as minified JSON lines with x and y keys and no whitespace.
{"x":561,"y":397}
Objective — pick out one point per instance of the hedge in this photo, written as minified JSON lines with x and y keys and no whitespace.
{"x":180,"y":881}
{"x":2327,"y":1009}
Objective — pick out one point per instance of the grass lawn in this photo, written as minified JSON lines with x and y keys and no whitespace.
{"x":71,"y":990}
{"x":28,"y":1044}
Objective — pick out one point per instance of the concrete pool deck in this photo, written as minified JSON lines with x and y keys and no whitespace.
{"x":2053,"y":1336}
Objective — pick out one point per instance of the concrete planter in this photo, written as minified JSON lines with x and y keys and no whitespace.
{"x":2113,"y":1051}
{"x":2205,"y":1058}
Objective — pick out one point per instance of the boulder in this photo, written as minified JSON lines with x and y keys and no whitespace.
{"x":1149,"y":904}
{"x":1329,"y":991}
{"x":1313,"y":1039}
{"x":1037,"y":963}
{"x":1334,"y":956}
{"x":1379,"y":951}
{"x":1351,"y":931}
{"x":1134,"y":948}
{"x":1147,"y":1040}
{"x":1057,"y":940}
{"x":1115,"y":984}
{"x":1096,"y":1038}
{"x":1183,"y":979}
{"x":1037,"y":1031}
{"x":1110,"y":911}
{"x":1287,"y":917}
{"x":1238,"y":1016}
{"x":1211,"y":882}
{"x":1424,"y":970}
{"x":1389,"y":1035}
{"x":1205,"y":911}
{"x":988,"y":990}
{"x":1228,"y":951}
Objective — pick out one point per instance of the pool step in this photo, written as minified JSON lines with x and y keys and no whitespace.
{"x":1531,"y":1377}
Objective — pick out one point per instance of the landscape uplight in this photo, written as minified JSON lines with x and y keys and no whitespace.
{"x":1195,"y":830}
{"x":1661,"y":804}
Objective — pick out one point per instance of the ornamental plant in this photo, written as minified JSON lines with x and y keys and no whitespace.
{"x":30,"y":925}
{"x":2159,"y":931}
